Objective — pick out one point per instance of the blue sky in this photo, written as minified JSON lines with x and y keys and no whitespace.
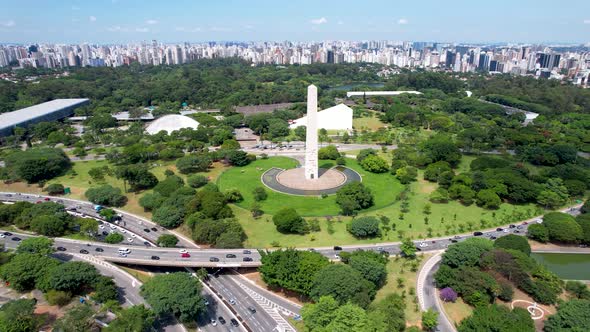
{"x":114,"y":21}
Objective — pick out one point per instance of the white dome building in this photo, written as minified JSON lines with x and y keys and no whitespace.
{"x":170,"y":123}
{"x":338,"y":117}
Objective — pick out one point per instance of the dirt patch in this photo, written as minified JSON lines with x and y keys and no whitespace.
{"x":255,"y":276}
{"x":426,"y":187}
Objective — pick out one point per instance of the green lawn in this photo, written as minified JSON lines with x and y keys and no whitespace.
{"x":371,"y":123}
{"x":384,"y":186}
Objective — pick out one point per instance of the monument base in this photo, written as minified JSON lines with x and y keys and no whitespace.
{"x":294,"y":178}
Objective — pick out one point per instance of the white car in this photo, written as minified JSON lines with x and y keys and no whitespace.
{"x":133,"y":235}
{"x":112,"y":226}
{"x":101,"y":226}
{"x":129,"y":239}
{"x":232,"y":301}
{"x":506,"y":230}
{"x":336,"y":256}
{"x":539,"y":221}
{"x":2,"y":236}
{"x":423,"y":244}
{"x":182,"y":251}
{"x":213,"y":322}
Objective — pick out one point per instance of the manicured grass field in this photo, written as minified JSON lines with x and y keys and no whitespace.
{"x":371,"y":123}
{"x":384,"y":186}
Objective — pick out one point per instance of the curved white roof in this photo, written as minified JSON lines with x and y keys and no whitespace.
{"x":337,"y":117}
{"x":170,"y":123}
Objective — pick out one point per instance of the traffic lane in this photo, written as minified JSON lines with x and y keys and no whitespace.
{"x":259,"y":321}
{"x":213,"y":311}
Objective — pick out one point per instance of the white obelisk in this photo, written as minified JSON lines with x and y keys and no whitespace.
{"x":311,"y":139}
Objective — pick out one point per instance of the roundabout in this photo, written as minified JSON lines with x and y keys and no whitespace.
{"x":292,"y":182}
{"x":536,"y":311}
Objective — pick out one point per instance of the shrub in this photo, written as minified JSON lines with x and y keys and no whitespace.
{"x":167,"y":240}
{"x":259,"y":194}
{"x":114,"y":238}
{"x":562,"y":227}
{"x":364,"y":227}
{"x":288,"y":221}
{"x":374,"y":164}
{"x":197,"y":181}
{"x":506,"y":292}
{"x":515,"y":242}
{"x":193,"y":163}
{"x":328,"y":152}
{"x":106,"y":195}
{"x":60,"y":298}
{"x":55,"y":189}
{"x":233,"y":195}
{"x":353,"y":197}
{"x":364,"y":153}
{"x":538,"y":232}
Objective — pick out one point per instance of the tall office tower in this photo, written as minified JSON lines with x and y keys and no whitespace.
{"x":3,"y":58}
{"x":450,"y":58}
{"x":484,"y":61}
{"x":330,"y":56}
{"x":177,"y":56}
{"x":524,"y":52}
{"x":493,"y":65}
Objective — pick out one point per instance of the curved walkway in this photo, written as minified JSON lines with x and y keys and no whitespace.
{"x":427,"y":296}
{"x":269,"y":179}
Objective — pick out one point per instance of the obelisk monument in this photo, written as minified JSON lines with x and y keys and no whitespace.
{"x":311,"y":139}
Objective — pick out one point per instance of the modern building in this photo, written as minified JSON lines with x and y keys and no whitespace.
{"x":170,"y":123}
{"x":338,"y":117}
{"x":49,"y":111}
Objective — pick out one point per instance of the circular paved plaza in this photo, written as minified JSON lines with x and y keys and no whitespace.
{"x":293,"y":182}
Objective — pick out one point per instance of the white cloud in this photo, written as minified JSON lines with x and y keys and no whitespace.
{"x":321,"y":20}
{"x":117,"y":28}
{"x":142,"y":29}
{"x":92,"y":18}
{"x":340,"y":22}
{"x":586,"y":21}
{"x":8,"y":24}
{"x":151,"y":22}
{"x":402,"y":21}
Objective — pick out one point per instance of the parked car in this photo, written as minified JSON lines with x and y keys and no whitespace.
{"x":337,"y":248}
{"x":477,"y":233}
{"x":154,"y":229}
{"x":61,"y":249}
{"x":221,"y":320}
{"x":234,"y":322}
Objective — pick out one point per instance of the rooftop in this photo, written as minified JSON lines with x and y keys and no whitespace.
{"x":12,"y":119}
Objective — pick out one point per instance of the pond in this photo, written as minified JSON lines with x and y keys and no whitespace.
{"x":351,"y":86}
{"x":566,"y":266}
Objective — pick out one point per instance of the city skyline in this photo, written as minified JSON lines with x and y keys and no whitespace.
{"x":128,"y":21}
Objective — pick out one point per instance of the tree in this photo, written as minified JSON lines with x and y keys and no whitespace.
{"x":364,"y":227}
{"x":353,"y":197}
{"x":371,"y":265}
{"x":167,"y":240}
{"x":584,"y":221}
{"x":434,"y":170}
{"x":36,"y":164}
{"x":408,"y":248}
{"x":138,"y":177}
{"x":440,"y":195}
{"x":259,"y":194}
{"x":151,"y":201}
{"x":515,"y":242}
{"x":578,"y":289}
{"x":364,"y":153}
{"x":292,"y":269}
{"x":288,"y":221}
{"x":466,"y":253}
{"x":48,"y":225}
{"x":328,"y":152}
{"x":137,"y":318}
{"x":562,"y":227}
{"x":27,"y":271}
{"x":18,"y":316}
{"x":374,"y":164}
{"x":488,"y":199}
{"x":344,"y":284}
{"x":497,"y":318}
{"x":429,"y":319}
{"x":105,"y":289}
{"x":168,"y":216}
{"x":392,"y":307}
{"x":106,"y":195}
{"x":101,"y":121}
{"x":570,"y":316}
{"x":55,"y":189}
{"x":193,"y":163}
{"x":538,"y":232}
{"x":406,"y":174}
{"x":447,"y":294}
{"x":73,"y":276}
{"x":442,"y":148}
{"x":114,"y":238}
{"x":238,"y":158}
{"x":76,"y":319}
{"x":169,"y":185}
{"x":35,"y":245}
{"x":88,"y":226}
{"x":233,"y":195}
{"x":176,"y":294}
{"x":197,"y":181}
{"x":318,"y":315}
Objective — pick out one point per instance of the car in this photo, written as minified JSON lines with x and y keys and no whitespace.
{"x":232,"y":301}
{"x":246,"y":252}
{"x":311,"y":249}
{"x":336,"y":256}
{"x":477,"y":233}
{"x":247,"y":259}
{"x":230,"y":256}
{"x":213,"y":322}
{"x":7,"y":233}
{"x":122,"y":254}
{"x":154,"y":229}
{"x":112,"y":226}
{"x":155,"y":258}
{"x":129,"y":239}
{"x":105,"y":233}
{"x":16,"y":238}
{"x":46,"y":199}
{"x":499,"y":229}
{"x":61,"y":249}
{"x":234,"y":322}
{"x":525,"y":222}
{"x":182,"y":251}
{"x":453,"y":240}
{"x":83,"y":251}
{"x":147,"y":230}
{"x":2,"y":236}
{"x":516,"y":231}
{"x":519,"y":227}
{"x":147,"y":244}
{"x":252,"y":310}
{"x":73,"y":209}
{"x":423,"y":244}
{"x":99,"y":249}
{"x":38,"y":202}
{"x":506,"y":230}
{"x":512,"y":226}
{"x":221,"y":320}
{"x":337,"y":248}
{"x":185,"y":255}
{"x":493,"y":237}
{"x":539,"y":221}
{"x":133,"y":235}
{"x":214,"y":259}
{"x":101,"y":226}
{"x":124,"y":250}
